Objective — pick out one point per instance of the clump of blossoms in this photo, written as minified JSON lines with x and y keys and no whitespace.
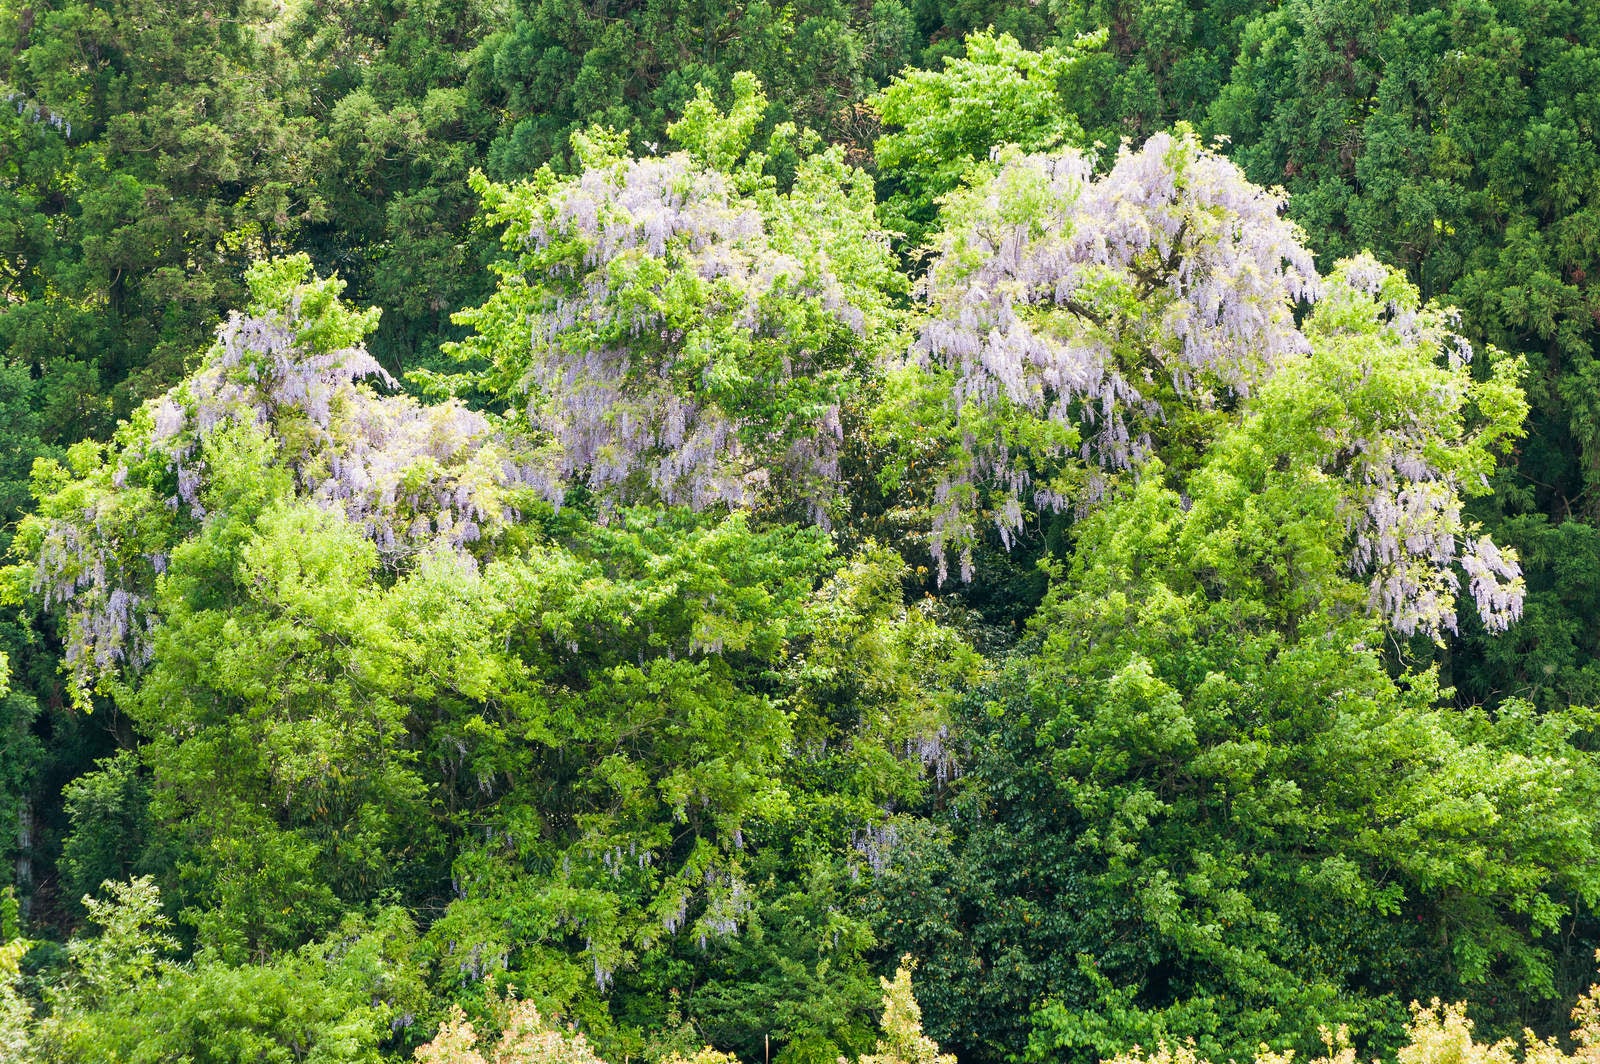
{"x":677,"y":328}
{"x":409,"y":474}
{"x":1073,"y":316}
{"x":290,"y":375}
{"x":1389,"y":407}
{"x":1081,"y":324}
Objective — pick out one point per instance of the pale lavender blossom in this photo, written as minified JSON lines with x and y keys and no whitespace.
{"x":1404,"y":510}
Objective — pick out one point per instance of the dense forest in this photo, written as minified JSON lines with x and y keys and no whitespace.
{"x":892,"y":531}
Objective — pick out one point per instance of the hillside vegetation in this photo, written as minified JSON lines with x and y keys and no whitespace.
{"x":539,"y":531}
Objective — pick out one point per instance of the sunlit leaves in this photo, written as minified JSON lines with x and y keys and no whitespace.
{"x":942,"y":122}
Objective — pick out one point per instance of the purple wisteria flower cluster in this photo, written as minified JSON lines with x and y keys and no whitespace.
{"x":679,"y":346}
{"x":1405,"y":465}
{"x":1076,"y":316}
{"x":409,"y":475}
{"x":1097,"y":303}
{"x":413,"y":477}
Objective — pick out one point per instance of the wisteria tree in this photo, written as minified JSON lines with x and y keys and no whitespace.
{"x":1228,"y":728}
{"x":1209,"y":794}
{"x":1080,"y":325}
{"x":1075,"y":322}
{"x":353,"y":667}
{"x":679,"y":327}
{"x":287,"y":381}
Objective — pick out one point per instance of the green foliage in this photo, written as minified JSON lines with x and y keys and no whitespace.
{"x":338,"y":1000}
{"x":107,"y":809}
{"x":21,"y":756}
{"x":15,"y":1014}
{"x":130,"y":946}
{"x":277,"y":764}
{"x":947,"y":121}
{"x":1552,"y":656}
{"x":558,"y":67}
{"x":402,"y":118}
{"x":146,"y":133}
{"x":1436,"y":1032}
